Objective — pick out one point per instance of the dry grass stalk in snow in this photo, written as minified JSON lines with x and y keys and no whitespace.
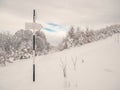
{"x":82,"y":60}
{"x":74,"y":61}
{"x":64,"y":68}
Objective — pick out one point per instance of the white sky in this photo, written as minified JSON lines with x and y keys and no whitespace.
{"x":88,"y":13}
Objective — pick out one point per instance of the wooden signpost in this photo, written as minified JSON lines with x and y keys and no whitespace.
{"x":34,"y":26}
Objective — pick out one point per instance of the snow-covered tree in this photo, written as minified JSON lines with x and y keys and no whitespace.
{"x":79,"y":37}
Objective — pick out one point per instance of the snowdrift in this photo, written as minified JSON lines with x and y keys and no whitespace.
{"x":94,"y":66}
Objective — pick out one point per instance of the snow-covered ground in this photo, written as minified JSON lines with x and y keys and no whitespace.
{"x":97,"y":68}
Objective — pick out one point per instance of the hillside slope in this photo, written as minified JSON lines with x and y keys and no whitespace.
{"x":97,"y":68}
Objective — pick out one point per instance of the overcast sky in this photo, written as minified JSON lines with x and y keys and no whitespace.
{"x":88,"y":13}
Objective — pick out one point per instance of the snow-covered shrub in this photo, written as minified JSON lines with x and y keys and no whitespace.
{"x":19,"y":45}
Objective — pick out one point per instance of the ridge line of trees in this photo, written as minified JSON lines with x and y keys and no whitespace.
{"x":19,"y":45}
{"x":77,"y":37}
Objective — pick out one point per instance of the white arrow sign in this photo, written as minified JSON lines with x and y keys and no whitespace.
{"x":33,"y":26}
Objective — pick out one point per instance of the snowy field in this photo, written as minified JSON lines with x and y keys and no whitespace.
{"x":97,"y":68}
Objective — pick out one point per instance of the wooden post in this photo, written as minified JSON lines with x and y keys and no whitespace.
{"x":34,"y":26}
{"x":34,"y":46}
